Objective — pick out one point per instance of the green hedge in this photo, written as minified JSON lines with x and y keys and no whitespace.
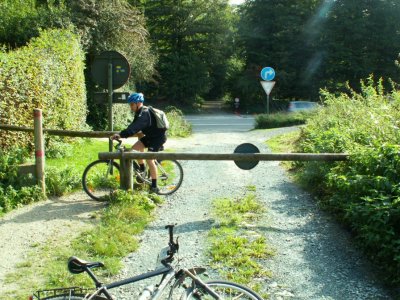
{"x":364,"y":192}
{"x":46,"y":74}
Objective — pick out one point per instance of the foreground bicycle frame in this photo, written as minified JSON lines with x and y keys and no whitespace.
{"x":171,"y":276}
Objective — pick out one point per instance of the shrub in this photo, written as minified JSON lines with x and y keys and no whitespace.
{"x":282,"y":119}
{"x":364,"y":192}
{"x":46,"y":74}
{"x":179,"y":127}
{"x":62,"y":181}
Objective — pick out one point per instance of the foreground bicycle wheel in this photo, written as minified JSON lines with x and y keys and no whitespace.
{"x":225,"y":289}
{"x":100,"y":179}
{"x":170,"y":176}
{"x":65,"y":297}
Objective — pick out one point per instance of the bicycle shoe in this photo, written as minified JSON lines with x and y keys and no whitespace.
{"x":154,"y":190}
{"x":139,"y":179}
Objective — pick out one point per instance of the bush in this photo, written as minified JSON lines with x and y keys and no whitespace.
{"x":179,"y":127}
{"x":13,"y":193}
{"x":364,"y":192}
{"x":282,"y":119}
{"x":46,"y":74}
{"x":60,"y":182}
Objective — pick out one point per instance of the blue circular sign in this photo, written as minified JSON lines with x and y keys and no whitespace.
{"x":267,"y":73}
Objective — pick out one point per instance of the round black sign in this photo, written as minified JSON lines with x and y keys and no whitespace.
{"x":246,"y":148}
{"x":120,"y":69}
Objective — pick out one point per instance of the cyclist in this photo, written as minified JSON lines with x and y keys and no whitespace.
{"x":145,"y":126}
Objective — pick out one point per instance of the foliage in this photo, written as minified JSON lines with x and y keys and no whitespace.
{"x":364,"y":191}
{"x":21,"y":21}
{"x":193,"y":40}
{"x":13,"y":189}
{"x":282,"y":119}
{"x":46,"y":74}
{"x":305,"y":42}
{"x":179,"y":127}
{"x":62,"y":181}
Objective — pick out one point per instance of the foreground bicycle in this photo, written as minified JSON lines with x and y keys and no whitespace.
{"x":182,"y":283}
{"x":102,"y":177}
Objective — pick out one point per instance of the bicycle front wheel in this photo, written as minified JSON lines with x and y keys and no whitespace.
{"x":225,"y":289}
{"x":169,"y":177}
{"x":100,"y":179}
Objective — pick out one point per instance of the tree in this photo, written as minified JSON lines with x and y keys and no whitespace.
{"x":362,"y":38}
{"x":314,"y":44}
{"x":193,"y":41}
{"x":273,"y":33}
{"x":112,"y":25}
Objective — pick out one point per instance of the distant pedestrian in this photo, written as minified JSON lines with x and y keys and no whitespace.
{"x":236,"y":104}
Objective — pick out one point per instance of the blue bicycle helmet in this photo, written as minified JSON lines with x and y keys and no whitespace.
{"x":135,"y":98}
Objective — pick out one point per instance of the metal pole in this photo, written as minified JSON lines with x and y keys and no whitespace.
{"x":110,"y":96}
{"x":39,"y":149}
{"x":267,"y":104}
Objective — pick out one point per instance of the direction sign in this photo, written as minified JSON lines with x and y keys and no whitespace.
{"x":117,"y":97}
{"x":268,"y":86}
{"x":120,"y":69}
{"x":267,"y":73}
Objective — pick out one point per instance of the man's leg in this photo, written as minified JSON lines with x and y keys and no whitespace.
{"x":152,"y":168}
{"x":139,"y":146}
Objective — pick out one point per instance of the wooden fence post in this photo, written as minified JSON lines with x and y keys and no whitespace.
{"x":39,"y":149}
{"x":126,"y":173}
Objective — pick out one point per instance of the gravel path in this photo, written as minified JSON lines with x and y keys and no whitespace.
{"x":314,"y":257}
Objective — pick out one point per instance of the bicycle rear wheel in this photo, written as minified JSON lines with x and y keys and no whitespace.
{"x":169,"y":177}
{"x":225,"y":289}
{"x":100,"y":179}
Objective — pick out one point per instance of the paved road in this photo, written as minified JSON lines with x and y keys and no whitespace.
{"x":221,"y":123}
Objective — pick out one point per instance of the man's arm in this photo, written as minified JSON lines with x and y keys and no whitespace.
{"x":142,"y":122}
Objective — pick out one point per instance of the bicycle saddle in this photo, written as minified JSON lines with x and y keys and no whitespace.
{"x":77,"y":265}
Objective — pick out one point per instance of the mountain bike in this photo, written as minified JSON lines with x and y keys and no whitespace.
{"x":102,"y":177}
{"x":182,"y":283}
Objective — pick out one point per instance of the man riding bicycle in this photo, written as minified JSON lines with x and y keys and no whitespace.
{"x":150,"y":136}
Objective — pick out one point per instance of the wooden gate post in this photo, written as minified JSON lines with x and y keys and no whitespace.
{"x":39,"y":149}
{"x":126,"y":173}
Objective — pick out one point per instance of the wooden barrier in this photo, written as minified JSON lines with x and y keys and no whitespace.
{"x":58,"y":132}
{"x":227,"y":156}
{"x":127,"y":157}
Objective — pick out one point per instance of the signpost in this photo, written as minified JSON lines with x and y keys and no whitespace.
{"x":267,"y":74}
{"x":110,"y":70}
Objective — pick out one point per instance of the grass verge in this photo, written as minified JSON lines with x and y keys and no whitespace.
{"x":237,"y":248}
{"x":282,"y":119}
{"x":284,"y":143}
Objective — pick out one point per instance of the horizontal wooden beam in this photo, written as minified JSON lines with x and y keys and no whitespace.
{"x":227,"y":156}
{"x":61,"y":132}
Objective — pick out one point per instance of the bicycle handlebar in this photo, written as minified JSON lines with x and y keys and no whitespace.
{"x":173,"y":246}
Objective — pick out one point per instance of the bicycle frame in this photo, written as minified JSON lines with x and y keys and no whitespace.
{"x":167,"y":272}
